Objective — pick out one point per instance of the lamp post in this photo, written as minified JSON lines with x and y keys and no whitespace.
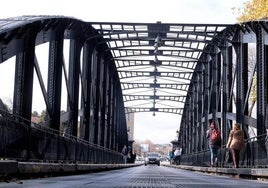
{"x":175,"y":142}
{"x":178,"y":137}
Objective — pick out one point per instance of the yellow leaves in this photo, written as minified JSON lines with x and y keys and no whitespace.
{"x":254,"y":10}
{"x":253,"y":93}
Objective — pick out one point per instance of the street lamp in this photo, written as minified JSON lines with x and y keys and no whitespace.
{"x":178,"y":134}
{"x":175,"y":142}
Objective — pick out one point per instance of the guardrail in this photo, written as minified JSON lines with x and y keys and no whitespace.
{"x":253,"y":156}
{"x":23,"y":140}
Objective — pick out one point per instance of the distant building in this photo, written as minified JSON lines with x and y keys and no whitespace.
{"x":36,"y":119}
{"x":163,"y":149}
{"x":130,"y":129}
{"x":130,"y":126}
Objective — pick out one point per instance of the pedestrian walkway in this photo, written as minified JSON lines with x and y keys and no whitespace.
{"x":11,"y":168}
{"x":252,"y":173}
{"x":15,"y":168}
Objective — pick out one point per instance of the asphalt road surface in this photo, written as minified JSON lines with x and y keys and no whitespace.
{"x":150,"y":176}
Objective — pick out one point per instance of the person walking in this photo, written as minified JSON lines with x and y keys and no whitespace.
{"x":236,"y":143}
{"x":214,"y":141}
{"x":124,"y":152}
{"x":171,"y":156}
{"x":177,"y":156}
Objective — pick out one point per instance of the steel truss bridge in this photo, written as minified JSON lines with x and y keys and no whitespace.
{"x":91,"y":74}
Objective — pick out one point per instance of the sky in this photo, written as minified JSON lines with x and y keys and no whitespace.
{"x":160,"y":129}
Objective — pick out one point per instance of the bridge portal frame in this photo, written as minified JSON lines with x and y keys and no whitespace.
{"x":207,"y":56}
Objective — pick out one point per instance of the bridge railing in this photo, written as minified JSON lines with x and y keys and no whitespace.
{"x":23,"y":140}
{"x":254,"y":155}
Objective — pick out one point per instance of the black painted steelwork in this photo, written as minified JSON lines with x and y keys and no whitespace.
{"x":200,"y":71}
{"x":227,"y":76}
{"x":94,"y":118}
{"x":156,"y":62}
{"x":211,"y":62}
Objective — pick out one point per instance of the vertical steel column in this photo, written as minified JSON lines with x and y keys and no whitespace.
{"x":73,"y":84}
{"x":93,"y":77}
{"x":86,"y":84}
{"x":266,"y":89}
{"x":23,"y":86}
{"x":182,"y":134}
{"x":245,"y":76}
{"x":245,"y":86}
{"x":206,"y":96}
{"x":114,"y":115}
{"x":97,"y":101}
{"x":219,"y":87}
{"x":101,"y":90}
{"x":201,"y":131}
{"x":191,"y":122}
{"x":266,"y":86}
{"x":109,"y":106}
{"x":103,"y":123}
{"x":55,"y":76}
{"x":195,"y":114}
{"x":241,"y":53}
{"x":123,"y":123}
{"x":225,"y":91}
{"x":118,"y":144}
{"x":261,"y":80}
{"x":188,"y":129}
{"x":229,"y":87}
{"x":112,"y":90}
{"x":185,"y":129}
{"x":122,"y":127}
{"x":214,"y":92}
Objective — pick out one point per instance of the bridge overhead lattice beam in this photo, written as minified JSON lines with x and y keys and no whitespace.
{"x":165,"y":110}
{"x":180,"y":64}
{"x":164,"y":56}
{"x":158,"y":97}
{"x":128,"y":86}
{"x":131,"y":74}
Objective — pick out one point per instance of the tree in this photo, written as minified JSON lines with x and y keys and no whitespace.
{"x":252,"y":10}
{"x":43,"y":115}
{"x":7,"y":103}
{"x":35,"y":113}
{"x":137,"y":144}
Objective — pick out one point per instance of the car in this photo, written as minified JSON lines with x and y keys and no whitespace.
{"x":152,"y":158}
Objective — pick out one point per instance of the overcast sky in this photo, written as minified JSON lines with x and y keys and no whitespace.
{"x":161,"y":128}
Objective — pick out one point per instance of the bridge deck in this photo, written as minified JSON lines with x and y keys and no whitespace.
{"x":14,"y":168}
{"x":141,"y":176}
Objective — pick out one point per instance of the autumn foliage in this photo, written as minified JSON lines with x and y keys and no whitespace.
{"x":253,"y":10}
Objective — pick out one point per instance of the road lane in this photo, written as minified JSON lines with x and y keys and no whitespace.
{"x":150,"y":176}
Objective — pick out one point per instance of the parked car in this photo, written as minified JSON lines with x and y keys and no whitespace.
{"x":139,"y":158}
{"x":152,"y":158}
